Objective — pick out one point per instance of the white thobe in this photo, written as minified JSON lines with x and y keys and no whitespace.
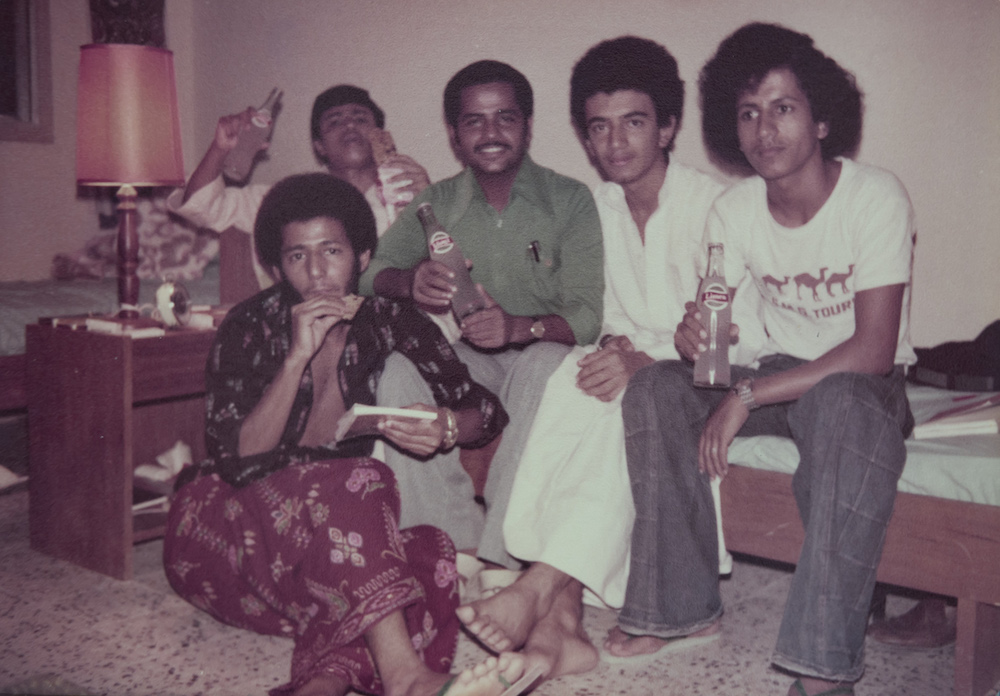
{"x":571,"y":506}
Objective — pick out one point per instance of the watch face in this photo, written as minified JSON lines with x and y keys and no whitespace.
{"x":538,"y":329}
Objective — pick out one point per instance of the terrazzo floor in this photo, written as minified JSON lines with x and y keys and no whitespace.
{"x":137,"y":637}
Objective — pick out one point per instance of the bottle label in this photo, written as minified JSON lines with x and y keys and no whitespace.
{"x":715,"y":296}
{"x":261,"y":119}
{"x":441,"y":242}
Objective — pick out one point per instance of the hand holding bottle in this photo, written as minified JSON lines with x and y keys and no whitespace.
{"x":251,"y":138}
{"x":690,"y":336}
{"x":228,"y":129}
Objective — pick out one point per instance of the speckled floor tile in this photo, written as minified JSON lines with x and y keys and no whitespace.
{"x":138,"y":638}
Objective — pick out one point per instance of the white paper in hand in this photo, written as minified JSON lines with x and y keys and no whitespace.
{"x":362,"y":419}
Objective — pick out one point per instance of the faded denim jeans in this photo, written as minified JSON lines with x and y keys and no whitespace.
{"x":849,"y":430}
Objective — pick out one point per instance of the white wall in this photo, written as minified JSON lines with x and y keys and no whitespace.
{"x":41,"y":213}
{"x":930,"y":70}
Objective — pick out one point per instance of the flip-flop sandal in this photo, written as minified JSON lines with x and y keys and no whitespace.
{"x":843,"y":690}
{"x":674,"y":645}
{"x":522,"y":684}
{"x":514,"y":689}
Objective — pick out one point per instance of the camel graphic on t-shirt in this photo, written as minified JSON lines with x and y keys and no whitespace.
{"x":779,"y":285}
{"x":839,"y":279}
{"x":810,"y":282}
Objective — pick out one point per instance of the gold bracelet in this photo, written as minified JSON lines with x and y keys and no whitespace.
{"x":450,"y":436}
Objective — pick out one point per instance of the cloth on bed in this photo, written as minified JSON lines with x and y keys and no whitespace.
{"x":169,"y":247}
{"x":24,"y":302}
{"x":958,"y":468}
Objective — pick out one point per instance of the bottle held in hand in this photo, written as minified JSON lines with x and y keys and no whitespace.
{"x":240,"y":159}
{"x":392,"y":193}
{"x":441,"y":247}
{"x":711,"y":369}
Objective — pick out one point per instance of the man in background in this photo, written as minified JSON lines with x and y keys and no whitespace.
{"x":342,"y":119}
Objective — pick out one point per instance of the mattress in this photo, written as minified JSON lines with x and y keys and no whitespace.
{"x":965,"y":468}
{"x":24,"y":302}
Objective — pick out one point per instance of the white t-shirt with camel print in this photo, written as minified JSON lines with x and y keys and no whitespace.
{"x":861,"y":238}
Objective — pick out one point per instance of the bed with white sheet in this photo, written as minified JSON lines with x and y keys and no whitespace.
{"x":944,"y":536}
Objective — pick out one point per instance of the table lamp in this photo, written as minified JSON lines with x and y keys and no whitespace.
{"x":127,"y":135}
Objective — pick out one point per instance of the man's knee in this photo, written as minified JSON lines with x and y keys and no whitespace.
{"x":541,"y":358}
{"x":651,"y":383}
{"x":401,"y":383}
{"x":844,"y":392}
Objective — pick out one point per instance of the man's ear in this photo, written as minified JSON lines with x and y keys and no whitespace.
{"x":527,"y":132}
{"x":668,"y":132}
{"x":453,"y":142}
{"x":364,"y":258}
{"x":319,"y":150}
{"x":822,"y":129}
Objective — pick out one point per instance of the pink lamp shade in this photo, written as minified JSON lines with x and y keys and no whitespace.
{"x":128,"y":126}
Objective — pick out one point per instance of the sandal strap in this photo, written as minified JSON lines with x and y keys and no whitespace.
{"x":842,"y":690}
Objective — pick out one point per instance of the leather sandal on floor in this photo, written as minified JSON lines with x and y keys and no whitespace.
{"x":843,"y":690}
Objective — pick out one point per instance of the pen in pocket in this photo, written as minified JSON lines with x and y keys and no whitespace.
{"x":535,"y":249}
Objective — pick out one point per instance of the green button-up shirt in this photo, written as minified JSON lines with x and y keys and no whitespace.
{"x":548,"y":213}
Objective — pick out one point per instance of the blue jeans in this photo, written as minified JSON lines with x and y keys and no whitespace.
{"x":849,"y":430}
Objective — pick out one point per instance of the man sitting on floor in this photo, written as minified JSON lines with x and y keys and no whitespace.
{"x":288,"y":532}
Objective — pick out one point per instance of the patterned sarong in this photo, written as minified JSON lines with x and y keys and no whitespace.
{"x":313,"y":552}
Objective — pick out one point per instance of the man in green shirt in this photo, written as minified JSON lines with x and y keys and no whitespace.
{"x":534,"y":240}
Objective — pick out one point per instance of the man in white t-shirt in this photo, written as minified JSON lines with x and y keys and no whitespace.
{"x":342,"y":118}
{"x":828,"y":244}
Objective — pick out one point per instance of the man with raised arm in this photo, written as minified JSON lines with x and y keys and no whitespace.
{"x":342,"y":118}
{"x":832,"y":378}
{"x":533,"y":238}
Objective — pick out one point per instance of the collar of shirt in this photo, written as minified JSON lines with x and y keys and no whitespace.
{"x":529,"y":185}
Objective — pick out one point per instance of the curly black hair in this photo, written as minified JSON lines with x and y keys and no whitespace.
{"x":627,"y":62}
{"x":745,"y":58}
{"x":304,"y":197}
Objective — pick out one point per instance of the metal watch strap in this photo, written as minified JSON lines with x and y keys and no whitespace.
{"x":450,"y":430}
{"x":744,"y":390}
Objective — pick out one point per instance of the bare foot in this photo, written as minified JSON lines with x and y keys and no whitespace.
{"x":805,"y":686}
{"x":621,"y":644}
{"x":558,"y":645}
{"x":503,"y":621}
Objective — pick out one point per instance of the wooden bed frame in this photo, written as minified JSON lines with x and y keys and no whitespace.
{"x":933,"y":544}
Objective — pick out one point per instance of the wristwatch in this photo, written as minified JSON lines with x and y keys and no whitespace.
{"x":744,"y":391}
{"x":538,"y":329}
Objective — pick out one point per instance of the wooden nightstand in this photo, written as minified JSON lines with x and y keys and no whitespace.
{"x":98,"y":406}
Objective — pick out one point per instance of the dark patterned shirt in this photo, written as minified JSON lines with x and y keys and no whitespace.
{"x":252,"y":344}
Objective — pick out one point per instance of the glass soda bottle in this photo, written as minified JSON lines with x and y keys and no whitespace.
{"x":240,"y":159}
{"x":711,"y":369}
{"x":441,"y":247}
